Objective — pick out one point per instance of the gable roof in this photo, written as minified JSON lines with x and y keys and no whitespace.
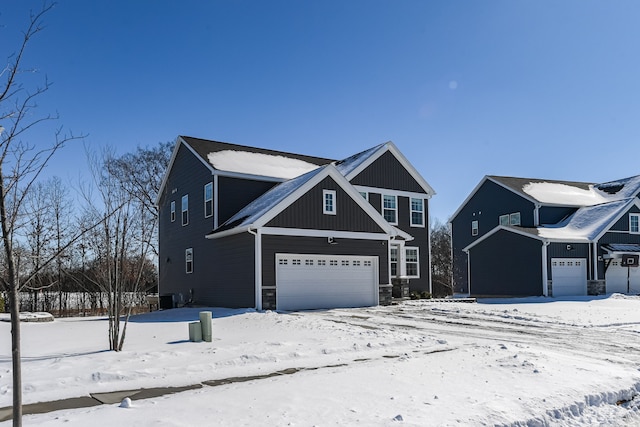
{"x":587,"y":224}
{"x":353,"y":165}
{"x":260,"y":211}
{"x":550,"y":192}
{"x":245,"y":161}
{"x":223,"y":156}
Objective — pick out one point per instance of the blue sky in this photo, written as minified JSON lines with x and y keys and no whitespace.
{"x":547,"y":89}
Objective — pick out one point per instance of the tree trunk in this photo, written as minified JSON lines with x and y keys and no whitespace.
{"x":15,"y":355}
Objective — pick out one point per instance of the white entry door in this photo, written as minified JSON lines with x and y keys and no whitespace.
{"x":622,"y":279}
{"x":569,"y":276}
{"x":325,"y":281}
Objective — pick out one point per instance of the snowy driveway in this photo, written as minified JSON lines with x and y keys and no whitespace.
{"x":498,"y":362}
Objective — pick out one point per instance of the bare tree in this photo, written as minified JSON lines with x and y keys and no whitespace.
{"x":21,"y":163}
{"x":121,"y":245}
{"x":441,"y":266}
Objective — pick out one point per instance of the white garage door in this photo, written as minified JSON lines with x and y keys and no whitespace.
{"x":325,"y":281}
{"x":569,"y":276}
{"x":617,"y":276}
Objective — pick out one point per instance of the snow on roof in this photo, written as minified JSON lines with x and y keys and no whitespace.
{"x":348,"y":165}
{"x":578,"y":195}
{"x":622,"y":188}
{"x":260,"y":206}
{"x":259,"y":164}
{"x":563,"y":194}
{"x":586,"y":223}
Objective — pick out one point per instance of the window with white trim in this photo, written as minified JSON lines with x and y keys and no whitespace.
{"x":208,"y":199}
{"x":417,"y":212}
{"x":329,"y":202}
{"x":634,"y":223}
{"x":503,"y":219}
{"x":412,"y":261}
{"x":393,"y":260}
{"x":390,"y":208}
{"x":188,"y":260}
{"x":185,"y":209}
{"x":514,"y":218}
{"x":474,"y":228}
{"x":365,"y":195}
{"x":173,"y":211}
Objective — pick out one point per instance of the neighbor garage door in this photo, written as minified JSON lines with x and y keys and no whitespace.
{"x":569,"y":276}
{"x":622,"y":279}
{"x":325,"y":281}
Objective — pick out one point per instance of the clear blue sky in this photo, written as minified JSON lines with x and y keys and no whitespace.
{"x":543,"y":88}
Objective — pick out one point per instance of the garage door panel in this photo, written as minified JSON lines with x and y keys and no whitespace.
{"x":325,"y":281}
{"x":569,"y":276}
{"x":622,"y":279}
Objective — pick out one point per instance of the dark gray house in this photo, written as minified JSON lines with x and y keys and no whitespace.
{"x":526,"y":237}
{"x":249,"y":227}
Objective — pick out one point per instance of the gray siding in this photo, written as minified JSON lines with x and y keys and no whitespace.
{"x":487,"y":204}
{"x":387,"y":172}
{"x":223,"y":273}
{"x":506,"y":264}
{"x":235,"y":193}
{"x":553,"y":215}
{"x":623,"y":223}
{"x":319,"y":245}
{"x":307,"y":212}
{"x":188,"y":176}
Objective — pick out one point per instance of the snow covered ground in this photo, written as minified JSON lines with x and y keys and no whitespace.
{"x":516,"y":362}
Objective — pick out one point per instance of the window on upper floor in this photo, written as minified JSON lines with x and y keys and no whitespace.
{"x":188,"y":260}
{"x":365,"y":195}
{"x":417,"y":212}
{"x":185,"y":209}
{"x":390,"y":209}
{"x":329,"y":202}
{"x":173,"y":210}
{"x":514,"y":218}
{"x":208,"y":199}
{"x":474,"y":228}
{"x":503,"y":219}
{"x":412,"y":262}
{"x":634,"y":223}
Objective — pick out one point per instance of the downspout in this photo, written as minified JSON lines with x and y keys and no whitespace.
{"x":545,"y":274}
{"x":536,"y":215}
{"x":258,"y":266}
{"x":468,"y":272}
{"x":215,"y":201}
{"x":594,"y":254}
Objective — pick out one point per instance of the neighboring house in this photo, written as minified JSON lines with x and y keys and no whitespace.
{"x":526,"y":237}
{"x":249,"y":227}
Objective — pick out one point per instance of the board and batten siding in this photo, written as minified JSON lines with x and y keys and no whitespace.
{"x":320,"y":246}
{"x":187,"y":177}
{"x":236,"y":193}
{"x":506,"y":264}
{"x":307,"y":212}
{"x":387,"y":172}
{"x":485,"y":206}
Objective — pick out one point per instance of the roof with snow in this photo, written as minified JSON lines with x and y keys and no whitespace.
{"x":348,"y":165}
{"x":236,"y":158}
{"x":570,"y":193}
{"x":263,"y":204}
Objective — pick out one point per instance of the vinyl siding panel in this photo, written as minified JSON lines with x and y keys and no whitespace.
{"x":235,"y":193}
{"x":506,"y":264}
{"x":188,"y":176}
{"x":307,"y":212}
{"x":319,"y":245}
{"x":223,"y":273}
{"x":387,"y":172}
{"x":487,"y":204}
